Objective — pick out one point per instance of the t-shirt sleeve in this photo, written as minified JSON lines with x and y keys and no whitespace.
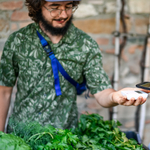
{"x":96,"y":78}
{"x":8,"y":67}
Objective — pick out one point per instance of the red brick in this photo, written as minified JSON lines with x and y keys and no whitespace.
{"x":12,"y":5}
{"x":96,"y":25}
{"x":3,"y":24}
{"x":13,"y":27}
{"x":102,"y":41}
{"x":23,"y":24}
{"x":147,"y":121}
{"x":141,"y":25}
{"x":110,"y":51}
{"x":128,"y":25}
{"x":124,"y":56}
{"x":107,"y":25}
{"x":20,"y":16}
{"x":132,"y":49}
{"x":140,"y":47}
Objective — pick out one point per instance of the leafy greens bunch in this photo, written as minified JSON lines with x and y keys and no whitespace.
{"x":92,"y":133}
{"x":45,"y":137}
{"x":95,"y":133}
{"x":11,"y":142}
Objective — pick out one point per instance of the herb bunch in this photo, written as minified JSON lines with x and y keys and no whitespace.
{"x":95,"y":133}
{"x":92,"y":133}
{"x":11,"y":142}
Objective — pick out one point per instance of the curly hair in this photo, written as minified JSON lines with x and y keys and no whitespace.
{"x":34,"y":7}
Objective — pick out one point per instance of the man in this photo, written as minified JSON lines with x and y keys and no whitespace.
{"x":25,"y":61}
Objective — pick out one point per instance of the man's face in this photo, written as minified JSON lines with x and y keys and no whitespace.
{"x":57,"y":22}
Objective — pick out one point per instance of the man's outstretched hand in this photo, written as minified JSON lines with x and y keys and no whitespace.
{"x":119,"y":98}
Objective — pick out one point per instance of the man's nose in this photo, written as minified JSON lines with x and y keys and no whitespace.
{"x":63,"y":13}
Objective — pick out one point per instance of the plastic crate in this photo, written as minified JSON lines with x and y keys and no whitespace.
{"x":136,"y":136}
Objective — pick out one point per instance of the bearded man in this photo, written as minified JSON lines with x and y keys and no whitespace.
{"x":43,"y":92}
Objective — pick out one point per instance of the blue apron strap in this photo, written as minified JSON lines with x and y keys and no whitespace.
{"x":79,"y":87}
{"x":56,"y":66}
{"x":55,"y":73}
{"x":53,"y":63}
{"x":65,"y":74}
{"x":42,"y":40}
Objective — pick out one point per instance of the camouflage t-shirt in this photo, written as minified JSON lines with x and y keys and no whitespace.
{"x":25,"y":61}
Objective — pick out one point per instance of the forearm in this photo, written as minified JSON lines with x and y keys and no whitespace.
{"x":5,"y":95}
{"x":105,"y":98}
{"x":3,"y":116}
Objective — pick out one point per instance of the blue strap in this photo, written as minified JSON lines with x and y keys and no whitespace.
{"x":42,"y":40}
{"x":57,"y":66}
{"x":55,"y":73}
{"x":65,"y":74}
{"x":53,"y":63}
{"x":79,"y":87}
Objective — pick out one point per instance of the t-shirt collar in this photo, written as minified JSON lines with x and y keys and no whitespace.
{"x":67,"y":38}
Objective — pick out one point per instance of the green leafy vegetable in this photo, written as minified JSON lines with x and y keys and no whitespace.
{"x":92,"y":133}
{"x":11,"y":142}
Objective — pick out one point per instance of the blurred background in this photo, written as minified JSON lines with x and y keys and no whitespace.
{"x":121,"y":29}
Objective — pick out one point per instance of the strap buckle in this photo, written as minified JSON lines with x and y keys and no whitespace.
{"x":48,"y":50}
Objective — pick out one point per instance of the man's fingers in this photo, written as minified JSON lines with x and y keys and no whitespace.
{"x":124,"y":101}
{"x":130,"y":102}
{"x":140,"y":101}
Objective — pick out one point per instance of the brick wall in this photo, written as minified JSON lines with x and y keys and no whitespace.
{"x":98,"y":19}
{"x":100,"y":23}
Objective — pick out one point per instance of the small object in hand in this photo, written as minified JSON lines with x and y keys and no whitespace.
{"x":144,"y":85}
{"x":135,"y":94}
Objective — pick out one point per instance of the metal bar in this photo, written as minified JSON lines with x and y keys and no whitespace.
{"x":117,"y":47}
{"x":145,"y":78}
{"x":130,"y":34}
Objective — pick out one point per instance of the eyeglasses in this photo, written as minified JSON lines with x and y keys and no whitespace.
{"x":56,"y":12}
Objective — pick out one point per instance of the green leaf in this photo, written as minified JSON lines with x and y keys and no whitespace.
{"x":11,"y":142}
{"x":73,"y":138}
{"x":92,"y":133}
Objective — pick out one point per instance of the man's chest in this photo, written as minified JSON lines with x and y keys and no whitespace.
{"x":33,"y":62}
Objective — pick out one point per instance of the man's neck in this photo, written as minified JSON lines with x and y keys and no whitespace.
{"x":54,"y":38}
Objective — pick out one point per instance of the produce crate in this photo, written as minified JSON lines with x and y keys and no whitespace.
{"x":136,"y":136}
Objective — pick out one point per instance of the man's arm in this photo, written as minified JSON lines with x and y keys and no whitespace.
{"x":5,"y":95}
{"x":104,"y":98}
{"x":109,"y":98}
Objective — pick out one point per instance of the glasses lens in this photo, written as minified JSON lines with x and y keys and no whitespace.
{"x":56,"y":12}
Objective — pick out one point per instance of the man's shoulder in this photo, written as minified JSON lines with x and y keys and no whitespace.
{"x":21,"y":34}
{"x":27,"y":30}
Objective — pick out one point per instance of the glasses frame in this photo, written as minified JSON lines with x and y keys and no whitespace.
{"x":74,"y":8}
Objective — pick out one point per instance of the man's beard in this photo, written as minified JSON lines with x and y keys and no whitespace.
{"x":54,"y":30}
